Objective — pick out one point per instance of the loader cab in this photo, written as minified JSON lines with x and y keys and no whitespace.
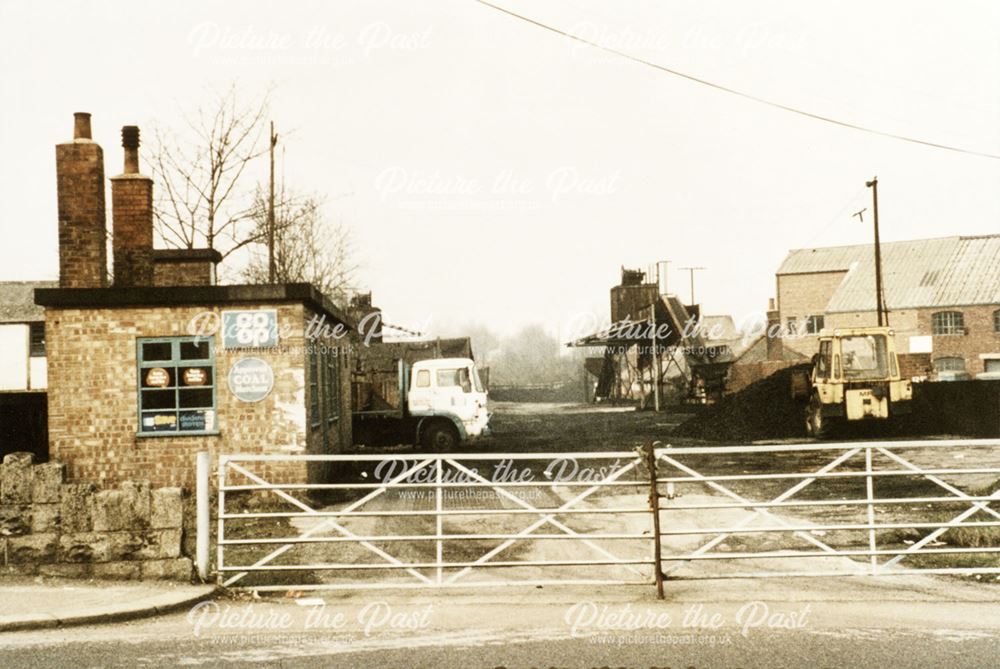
{"x":856,"y":355}
{"x":855,"y":376}
{"x":823,"y":361}
{"x":866,"y":357}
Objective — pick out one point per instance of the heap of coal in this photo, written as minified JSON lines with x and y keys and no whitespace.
{"x":763,"y":410}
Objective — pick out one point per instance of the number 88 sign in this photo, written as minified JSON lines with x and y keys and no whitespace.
{"x":250,"y":329}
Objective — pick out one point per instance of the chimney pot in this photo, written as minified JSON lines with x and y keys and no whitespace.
{"x":130,"y":141}
{"x":130,"y":136}
{"x":81,"y":125}
{"x":132,"y":217}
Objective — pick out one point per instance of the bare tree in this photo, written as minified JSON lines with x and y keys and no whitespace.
{"x":202,"y":194}
{"x":532,"y":356}
{"x":308,"y":248}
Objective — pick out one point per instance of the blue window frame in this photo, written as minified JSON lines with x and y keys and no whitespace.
{"x":177,"y":384}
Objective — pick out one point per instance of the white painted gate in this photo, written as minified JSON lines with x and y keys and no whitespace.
{"x":535,"y":519}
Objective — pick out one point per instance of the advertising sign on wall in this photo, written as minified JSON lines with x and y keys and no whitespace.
{"x":157,"y":377}
{"x":251,"y":379}
{"x":250,"y":329}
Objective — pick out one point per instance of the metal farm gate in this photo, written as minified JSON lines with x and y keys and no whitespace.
{"x":436,"y":520}
{"x":530,"y":519}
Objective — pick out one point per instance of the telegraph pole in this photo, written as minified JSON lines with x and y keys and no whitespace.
{"x":271,"y":270}
{"x":692,"y":270}
{"x":656,"y":357}
{"x":879,"y":301}
{"x":657,"y":370}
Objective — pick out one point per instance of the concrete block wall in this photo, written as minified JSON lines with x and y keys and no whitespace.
{"x":76,"y":530}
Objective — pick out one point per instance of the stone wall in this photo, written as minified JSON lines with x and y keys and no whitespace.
{"x":54,"y":528}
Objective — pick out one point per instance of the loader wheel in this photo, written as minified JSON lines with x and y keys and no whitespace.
{"x":439,"y":437}
{"x":817,"y":425}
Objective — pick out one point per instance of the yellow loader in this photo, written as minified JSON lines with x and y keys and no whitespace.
{"x":854,"y":377}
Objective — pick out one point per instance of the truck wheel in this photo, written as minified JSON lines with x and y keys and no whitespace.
{"x":439,"y":437}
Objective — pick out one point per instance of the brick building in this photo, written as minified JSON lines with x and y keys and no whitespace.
{"x":149,"y":368}
{"x":943,"y":297}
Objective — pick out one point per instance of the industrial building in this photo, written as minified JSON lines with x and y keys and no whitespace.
{"x":943,"y":297}
{"x":657,"y":347}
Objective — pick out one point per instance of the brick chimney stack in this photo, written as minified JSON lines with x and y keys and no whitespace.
{"x":132,"y":214}
{"x":83,"y":255}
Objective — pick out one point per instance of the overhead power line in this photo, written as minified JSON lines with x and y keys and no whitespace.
{"x":733,"y":91}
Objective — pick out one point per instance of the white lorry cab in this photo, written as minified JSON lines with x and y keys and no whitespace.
{"x":441,"y":403}
{"x":448,"y":389}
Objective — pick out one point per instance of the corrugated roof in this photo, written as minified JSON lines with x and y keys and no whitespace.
{"x":17,"y":301}
{"x":949,"y":271}
{"x":973,"y":275}
{"x":828,"y":259}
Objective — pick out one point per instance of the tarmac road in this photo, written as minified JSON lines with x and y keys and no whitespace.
{"x":777,"y":650}
{"x":831,"y":623}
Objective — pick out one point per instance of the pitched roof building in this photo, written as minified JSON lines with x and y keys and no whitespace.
{"x":943,"y":296}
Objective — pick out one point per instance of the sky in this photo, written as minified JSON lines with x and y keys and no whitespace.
{"x":496,"y":173}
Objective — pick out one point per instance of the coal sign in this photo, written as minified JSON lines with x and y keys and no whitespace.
{"x":251,"y":379}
